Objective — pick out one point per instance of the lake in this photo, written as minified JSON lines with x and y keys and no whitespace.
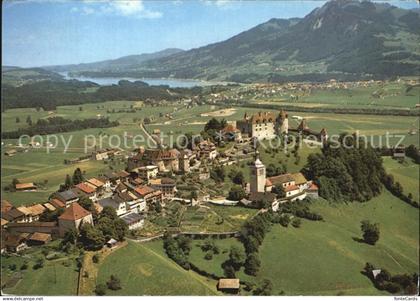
{"x":171,"y":82}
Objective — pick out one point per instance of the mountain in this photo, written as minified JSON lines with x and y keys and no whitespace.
{"x":343,"y":39}
{"x":16,"y":76}
{"x":122,"y":63}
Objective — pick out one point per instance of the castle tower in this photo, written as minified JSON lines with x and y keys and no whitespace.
{"x":257,"y":183}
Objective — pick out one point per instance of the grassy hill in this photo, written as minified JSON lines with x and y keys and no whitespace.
{"x":325,"y":258}
{"x":144,"y":269}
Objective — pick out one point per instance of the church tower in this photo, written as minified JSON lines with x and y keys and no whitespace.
{"x":257,"y":183}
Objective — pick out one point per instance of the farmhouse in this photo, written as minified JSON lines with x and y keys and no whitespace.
{"x":38,"y":239}
{"x":164,"y":159}
{"x":133,"y":220}
{"x":25,"y":187}
{"x":67,"y":197}
{"x":15,"y":243}
{"x":228,"y":285}
{"x":15,"y":215}
{"x":73,"y":217}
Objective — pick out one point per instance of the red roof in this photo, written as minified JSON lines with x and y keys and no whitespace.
{"x":313,"y":187}
{"x":268,"y":182}
{"x":291,"y":188}
{"x":57,"y":203}
{"x":144,"y":190}
{"x":85,"y":188}
{"x":74,"y":212}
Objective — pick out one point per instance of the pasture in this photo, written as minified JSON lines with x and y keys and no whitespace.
{"x":407,"y":173}
{"x":326,"y":258}
{"x":144,"y":269}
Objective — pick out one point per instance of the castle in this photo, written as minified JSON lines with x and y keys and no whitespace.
{"x":264,"y":125}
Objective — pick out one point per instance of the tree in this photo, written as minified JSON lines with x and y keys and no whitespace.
{"x":87,"y":204}
{"x":296,"y":222}
{"x":68,"y":182}
{"x":39,"y":264}
{"x":229,"y":271}
{"x":114,"y":283}
{"x":77,"y":176}
{"x":370,"y":232}
{"x":218,"y":174}
{"x":70,"y":237}
{"x":236,"y":257}
{"x":279,"y":191}
{"x":80,"y":109}
{"x":100,"y":289}
{"x":236,"y":193}
{"x":17,"y":120}
{"x":29,"y":120}
{"x":239,"y":178}
{"x":264,"y":289}
{"x":252,"y":264}
{"x":91,"y":238}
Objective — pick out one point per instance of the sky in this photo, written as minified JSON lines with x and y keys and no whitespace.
{"x":56,"y":32}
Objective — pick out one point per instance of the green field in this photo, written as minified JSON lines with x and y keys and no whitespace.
{"x":407,"y":173}
{"x":144,"y":269}
{"x":325,"y":258}
{"x":54,"y":279}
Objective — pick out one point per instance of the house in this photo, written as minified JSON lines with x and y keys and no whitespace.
{"x":284,"y":180}
{"x":25,"y":187}
{"x":106,"y":181}
{"x":15,"y":242}
{"x":57,"y":204}
{"x":133,"y":202}
{"x":228,"y":285}
{"x":312,"y":191}
{"x":10,"y":153}
{"x":15,"y":215}
{"x":115,"y":202}
{"x":98,"y":184}
{"x":149,"y":194}
{"x":133,"y":220}
{"x":36,"y":211}
{"x":49,"y":206}
{"x":260,"y":199}
{"x":38,"y":239}
{"x":300,"y":180}
{"x":398,"y":152}
{"x":4,"y":223}
{"x":166,"y":185}
{"x":5,"y":206}
{"x":206,"y":150}
{"x":73,"y":217}
{"x":100,"y":155}
{"x":147,"y":172}
{"x":67,"y":197}
{"x":292,"y":190}
{"x":165,"y":159}
{"x":87,"y":190}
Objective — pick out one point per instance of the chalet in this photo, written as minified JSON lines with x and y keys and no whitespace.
{"x":115,"y":202}
{"x":15,"y":215}
{"x":166,"y":185}
{"x":121,"y":188}
{"x":49,"y":207}
{"x":106,"y":181}
{"x":98,"y":184}
{"x":38,"y":239}
{"x":25,"y":187}
{"x":133,"y":220}
{"x":73,"y":217}
{"x":149,"y":194}
{"x":15,"y":242}
{"x":36,"y":211}
{"x":87,"y":190}
{"x":229,"y":285}
{"x":57,"y":204}
{"x":67,"y":197}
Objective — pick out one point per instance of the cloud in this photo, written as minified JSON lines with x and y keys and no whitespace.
{"x":221,"y":3}
{"x":126,"y":8}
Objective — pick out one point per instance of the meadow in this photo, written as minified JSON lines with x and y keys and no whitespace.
{"x":407,"y":173}
{"x":326,"y":258}
{"x":144,"y":269}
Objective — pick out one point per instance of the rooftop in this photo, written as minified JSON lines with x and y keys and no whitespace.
{"x":74,"y":212}
{"x":228,"y":283}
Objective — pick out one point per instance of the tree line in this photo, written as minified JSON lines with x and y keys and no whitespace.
{"x":54,"y":125}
